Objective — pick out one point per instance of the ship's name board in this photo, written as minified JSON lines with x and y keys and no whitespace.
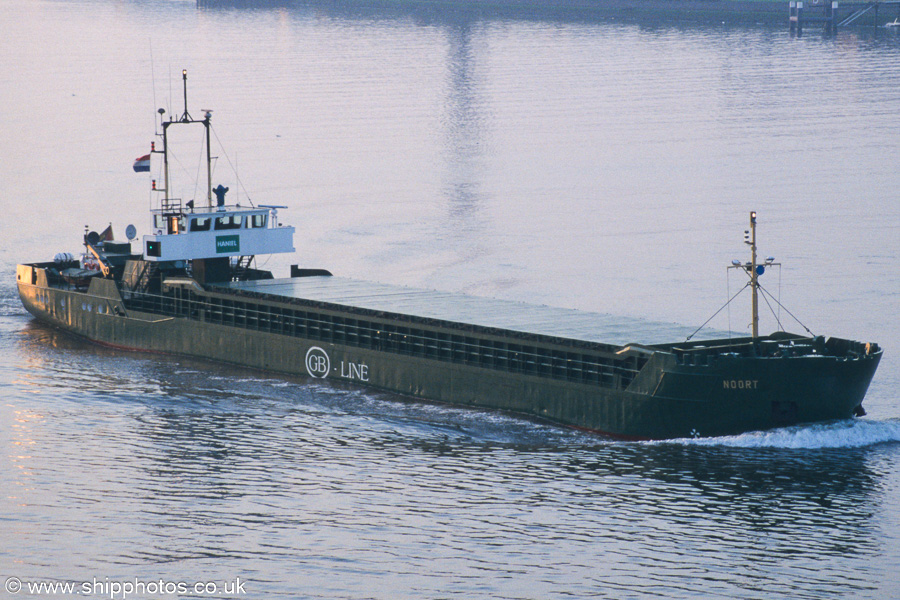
{"x":740,"y":384}
{"x":228,"y":243}
{"x":318,"y":364}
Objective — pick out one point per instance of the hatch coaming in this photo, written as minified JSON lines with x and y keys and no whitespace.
{"x":458,"y":343}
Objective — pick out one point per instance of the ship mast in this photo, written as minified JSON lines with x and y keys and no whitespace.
{"x":750,"y":239}
{"x":754,"y":270}
{"x":185,"y":119}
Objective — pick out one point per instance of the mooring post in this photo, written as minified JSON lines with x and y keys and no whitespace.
{"x":795,"y":15}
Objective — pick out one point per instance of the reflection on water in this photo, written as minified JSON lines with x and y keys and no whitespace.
{"x":599,"y":163}
{"x":239,"y":472}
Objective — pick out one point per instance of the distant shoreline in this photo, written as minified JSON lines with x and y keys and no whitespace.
{"x":748,"y":8}
{"x":769,"y":11}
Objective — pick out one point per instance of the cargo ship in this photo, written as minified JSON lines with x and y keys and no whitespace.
{"x":191,"y":289}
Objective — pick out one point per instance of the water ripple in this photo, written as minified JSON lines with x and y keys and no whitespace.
{"x":547,"y":160}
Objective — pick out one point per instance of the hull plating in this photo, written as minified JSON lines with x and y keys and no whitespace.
{"x":666,"y":398}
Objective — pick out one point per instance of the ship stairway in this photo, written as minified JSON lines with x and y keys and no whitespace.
{"x":242,"y":268}
{"x":138,"y":289}
{"x":839,"y":13}
{"x":855,"y":15}
{"x":148,"y":272}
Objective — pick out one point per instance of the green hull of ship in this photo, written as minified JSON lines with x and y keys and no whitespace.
{"x":708,"y":388}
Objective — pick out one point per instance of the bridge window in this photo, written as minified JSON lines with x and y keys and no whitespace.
{"x":232,"y":222}
{"x":256,"y":221}
{"x":202,"y":224}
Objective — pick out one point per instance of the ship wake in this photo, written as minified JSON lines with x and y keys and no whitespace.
{"x":850,"y":433}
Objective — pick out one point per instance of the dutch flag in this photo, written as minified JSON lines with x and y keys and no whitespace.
{"x":142,"y":164}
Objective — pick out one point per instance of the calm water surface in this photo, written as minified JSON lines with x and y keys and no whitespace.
{"x":598,"y":163}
